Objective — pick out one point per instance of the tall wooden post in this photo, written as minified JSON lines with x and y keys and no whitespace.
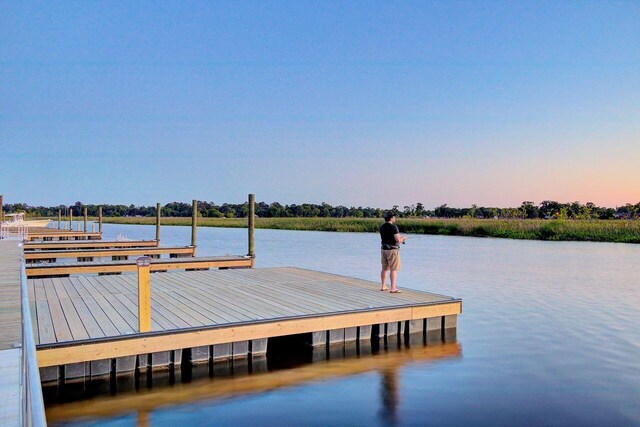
{"x":70,"y":219}
{"x":194,"y":225}
{"x":1,"y":209}
{"x":158,"y":215}
{"x":144,"y":294}
{"x":85,"y":219}
{"x":100,"y":220}
{"x":251,"y":226}
{"x":59,"y":218}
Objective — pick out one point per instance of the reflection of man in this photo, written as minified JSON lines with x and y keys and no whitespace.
{"x":390,"y":395}
{"x":391,"y":239}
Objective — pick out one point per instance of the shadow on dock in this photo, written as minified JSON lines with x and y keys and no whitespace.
{"x":289,"y":362}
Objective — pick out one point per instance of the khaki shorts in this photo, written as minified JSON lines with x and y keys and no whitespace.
{"x":390,"y":259}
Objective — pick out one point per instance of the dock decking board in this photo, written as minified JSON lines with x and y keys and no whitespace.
{"x":10,"y":332}
{"x":10,"y":311}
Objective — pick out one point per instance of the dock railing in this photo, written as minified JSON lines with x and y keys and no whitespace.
{"x":31,"y":400}
{"x":20,"y":232}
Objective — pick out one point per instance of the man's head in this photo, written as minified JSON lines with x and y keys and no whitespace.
{"x":389,"y":216}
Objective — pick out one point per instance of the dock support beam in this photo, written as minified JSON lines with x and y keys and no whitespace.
{"x":70,"y":219}
{"x":251,"y":226}
{"x":194,"y":225}
{"x":100,"y":219}
{"x":1,"y":211}
{"x":144,"y":294}
{"x":158,"y":215}
{"x":85,"y":220}
{"x":59,"y":218}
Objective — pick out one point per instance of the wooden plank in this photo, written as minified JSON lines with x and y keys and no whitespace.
{"x":96,"y":267}
{"x":74,"y":322}
{"x":46,"y":333}
{"x":116,"y":318}
{"x":167,"y":282}
{"x":60,"y":326}
{"x":155,"y":343}
{"x":282,"y":307}
{"x":89,"y":323}
{"x":32,"y":309}
{"x":162,"y":319}
{"x":89,"y":244}
{"x":183,"y":250}
{"x":103,"y":321}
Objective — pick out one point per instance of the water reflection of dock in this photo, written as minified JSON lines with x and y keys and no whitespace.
{"x":224,"y":385}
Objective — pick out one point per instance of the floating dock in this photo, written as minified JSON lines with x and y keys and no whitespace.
{"x":53,"y":234}
{"x":87,"y":326}
{"x":41,"y":270}
{"x":92,"y":244}
{"x":114,"y":253}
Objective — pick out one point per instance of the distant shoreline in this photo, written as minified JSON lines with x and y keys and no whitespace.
{"x":614,"y":231}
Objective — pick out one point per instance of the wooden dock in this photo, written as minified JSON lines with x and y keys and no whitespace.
{"x":120,"y":253}
{"x":86,"y":323}
{"x":91,"y":244}
{"x":56,"y":269}
{"x":54,"y":234}
{"x":10,"y":332}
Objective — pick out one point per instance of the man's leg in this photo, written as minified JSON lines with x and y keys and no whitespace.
{"x":383,"y":279}
{"x":394,"y":277}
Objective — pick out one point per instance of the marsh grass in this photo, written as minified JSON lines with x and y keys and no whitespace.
{"x":619,"y":231}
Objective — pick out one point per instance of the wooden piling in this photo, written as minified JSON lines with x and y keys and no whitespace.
{"x":144,"y":294}
{"x":70,"y":219}
{"x":100,"y":219}
{"x":1,"y":211}
{"x":158,"y":215}
{"x":85,"y":219}
{"x":194,"y":224}
{"x":251,"y":225}
{"x":59,"y":219}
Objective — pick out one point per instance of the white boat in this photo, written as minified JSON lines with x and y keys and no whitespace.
{"x":17,"y":220}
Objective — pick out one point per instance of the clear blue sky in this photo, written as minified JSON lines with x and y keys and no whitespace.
{"x":356,"y":103}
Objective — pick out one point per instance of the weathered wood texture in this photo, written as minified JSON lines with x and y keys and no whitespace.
{"x":210,"y":307}
{"x":10,"y":388}
{"x":10,"y":313}
{"x":10,"y":332}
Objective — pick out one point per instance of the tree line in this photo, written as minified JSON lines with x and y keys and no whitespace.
{"x":545,"y":210}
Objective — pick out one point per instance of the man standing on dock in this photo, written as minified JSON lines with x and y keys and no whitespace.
{"x":391,"y":239}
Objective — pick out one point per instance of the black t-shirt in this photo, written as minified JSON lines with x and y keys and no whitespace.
{"x":387,"y":233}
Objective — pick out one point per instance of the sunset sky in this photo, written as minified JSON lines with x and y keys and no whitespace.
{"x":356,"y":103}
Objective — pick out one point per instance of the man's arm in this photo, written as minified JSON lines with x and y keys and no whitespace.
{"x":399,"y":238}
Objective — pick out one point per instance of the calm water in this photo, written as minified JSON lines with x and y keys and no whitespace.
{"x":549,"y":335}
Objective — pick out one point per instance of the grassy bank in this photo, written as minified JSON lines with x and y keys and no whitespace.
{"x":620,"y":231}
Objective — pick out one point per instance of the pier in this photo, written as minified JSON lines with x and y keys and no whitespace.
{"x":59,"y":269}
{"x":89,"y":326}
{"x":91,"y":318}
